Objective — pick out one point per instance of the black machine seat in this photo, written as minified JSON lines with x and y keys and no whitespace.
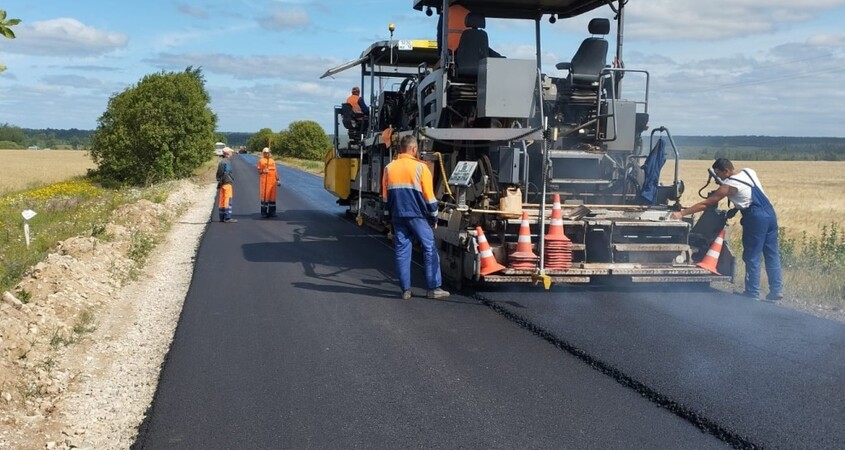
{"x":591,"y":57}
{"x":472,"y":47}
{"x":352,"y":121}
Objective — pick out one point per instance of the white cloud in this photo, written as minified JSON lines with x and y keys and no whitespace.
{"x":177,"y":38}
{"x":286,"y":19}
{"x":192,"y":11}
{"x":304,"y":68}
{"x":64,"y":37}
{"x":718,"y":19}
{"x":827,"y":40}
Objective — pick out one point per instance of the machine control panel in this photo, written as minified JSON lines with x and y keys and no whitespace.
{"x":462,"y":175}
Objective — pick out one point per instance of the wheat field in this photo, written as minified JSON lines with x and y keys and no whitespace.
{"x":806,"y":194}
{"x":26,"y":169}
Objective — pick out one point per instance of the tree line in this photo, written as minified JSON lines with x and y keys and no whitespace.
{"x":762,"y":148}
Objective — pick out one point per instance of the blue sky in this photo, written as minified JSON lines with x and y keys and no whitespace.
{"x":718,"y":67}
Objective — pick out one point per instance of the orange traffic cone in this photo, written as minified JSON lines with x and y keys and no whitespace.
{"x":558,"y":247}
{"x":556,"y":222}
{"x":712,"y":257}
{"x":523,"y":257}
{"x":488,"y":260}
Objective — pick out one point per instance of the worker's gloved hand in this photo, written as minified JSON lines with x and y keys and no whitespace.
{"x":732,"y":212}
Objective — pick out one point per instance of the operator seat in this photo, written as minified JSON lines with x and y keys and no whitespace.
{"x":352,"y":121}
{"x":472,"y":47}
{"x":591,"y":57}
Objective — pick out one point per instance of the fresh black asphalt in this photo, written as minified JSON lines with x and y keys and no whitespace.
{"x":293,"y":336}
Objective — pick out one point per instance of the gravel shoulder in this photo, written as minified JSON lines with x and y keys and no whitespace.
{"x":93,"y":394}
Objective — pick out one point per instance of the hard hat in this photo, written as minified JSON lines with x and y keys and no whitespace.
{"x":266,"y":150}
{"x":355,"y":90}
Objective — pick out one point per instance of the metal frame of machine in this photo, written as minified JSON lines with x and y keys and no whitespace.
{"x":531,"y":135}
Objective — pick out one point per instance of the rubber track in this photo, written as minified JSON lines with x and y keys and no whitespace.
{"x":703,"y":423}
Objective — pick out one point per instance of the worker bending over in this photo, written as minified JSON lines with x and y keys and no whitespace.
{"x":759,"y":225}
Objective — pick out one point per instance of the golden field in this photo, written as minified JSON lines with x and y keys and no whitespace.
{"x":806,"y":194}
{"x":27,"y":169}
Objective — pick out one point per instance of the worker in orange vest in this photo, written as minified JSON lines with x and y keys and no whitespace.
{"x":408,"y":188}
{"x":359,"y":106}
{"x":457,"y":25}
{"x":268,"y":179}
{"x":224,"y":187}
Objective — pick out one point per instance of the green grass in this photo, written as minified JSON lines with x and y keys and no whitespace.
{"x":816,"y":265}
{"x":307,"y":165}
{"x":813,"y":266}
{"x":72,"y":208}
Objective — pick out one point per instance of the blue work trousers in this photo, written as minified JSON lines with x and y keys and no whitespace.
{"x":404,"y":230}
{"x":760,"y":237}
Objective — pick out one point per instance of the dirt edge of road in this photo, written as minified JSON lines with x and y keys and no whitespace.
{"x":90,"y":384}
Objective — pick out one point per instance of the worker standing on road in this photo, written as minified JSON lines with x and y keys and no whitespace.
{"x":268,"y":179}
{"x":759,"y":225}
{"x":407,"y":187}
{"x":224,"y":187}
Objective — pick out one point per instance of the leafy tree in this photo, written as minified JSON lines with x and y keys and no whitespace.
{"x":12,"y":133}
{"x":304,"y":139}
{"x":6,"y":29}
{"x":278,"y":141}
{"x":263,"y":138}
{"x":159,"y":129}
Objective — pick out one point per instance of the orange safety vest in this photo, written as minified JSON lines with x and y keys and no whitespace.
{"x":407,"y":187}
{"x":457,"y":25}
{"x":268,"y":176}
{"x":353,"y":100}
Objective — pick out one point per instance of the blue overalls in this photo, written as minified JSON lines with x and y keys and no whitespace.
{"x":760,"y":235}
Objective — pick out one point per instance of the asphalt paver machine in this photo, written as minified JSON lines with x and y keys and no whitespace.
{"x":503,"y":139}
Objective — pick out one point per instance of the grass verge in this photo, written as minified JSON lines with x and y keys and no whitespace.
{"x":77,"y":207}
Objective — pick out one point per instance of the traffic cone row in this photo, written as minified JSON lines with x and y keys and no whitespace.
{"x":558,"y":247}
{"x":488,"y":260}
{"x":523,"y":257}
{"x":711,"y":259}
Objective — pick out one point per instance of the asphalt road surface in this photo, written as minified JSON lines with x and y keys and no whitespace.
{"x":293,"y":336}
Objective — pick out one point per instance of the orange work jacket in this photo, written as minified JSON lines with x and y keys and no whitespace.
{"x":268,"y":176}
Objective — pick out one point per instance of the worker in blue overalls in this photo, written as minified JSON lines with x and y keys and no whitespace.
{"x":759,"y":225}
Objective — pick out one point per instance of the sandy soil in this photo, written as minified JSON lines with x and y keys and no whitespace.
{"x":79,"y":362}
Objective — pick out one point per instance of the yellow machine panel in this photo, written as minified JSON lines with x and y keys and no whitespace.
{"x":339,"y":173}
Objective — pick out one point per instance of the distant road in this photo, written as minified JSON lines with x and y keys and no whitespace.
{"x":293,"y":336}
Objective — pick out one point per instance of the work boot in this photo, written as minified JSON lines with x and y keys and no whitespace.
{"x":406,"y":295}
{"x":437,"y":293}
{"x":230,"y":221}
{"x":747,"y":294}
{"x":773,"y":297}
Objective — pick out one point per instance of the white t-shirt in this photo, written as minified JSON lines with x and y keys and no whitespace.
{"x":742,"y":199}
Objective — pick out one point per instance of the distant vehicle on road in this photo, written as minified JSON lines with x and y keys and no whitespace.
{"x":33,"y":147}
{"x":218,"y":148}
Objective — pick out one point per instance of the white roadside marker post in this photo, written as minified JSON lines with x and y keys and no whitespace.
{"x":27,"y":214}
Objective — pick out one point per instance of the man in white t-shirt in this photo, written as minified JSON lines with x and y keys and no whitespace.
{"x":759,"y":225}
